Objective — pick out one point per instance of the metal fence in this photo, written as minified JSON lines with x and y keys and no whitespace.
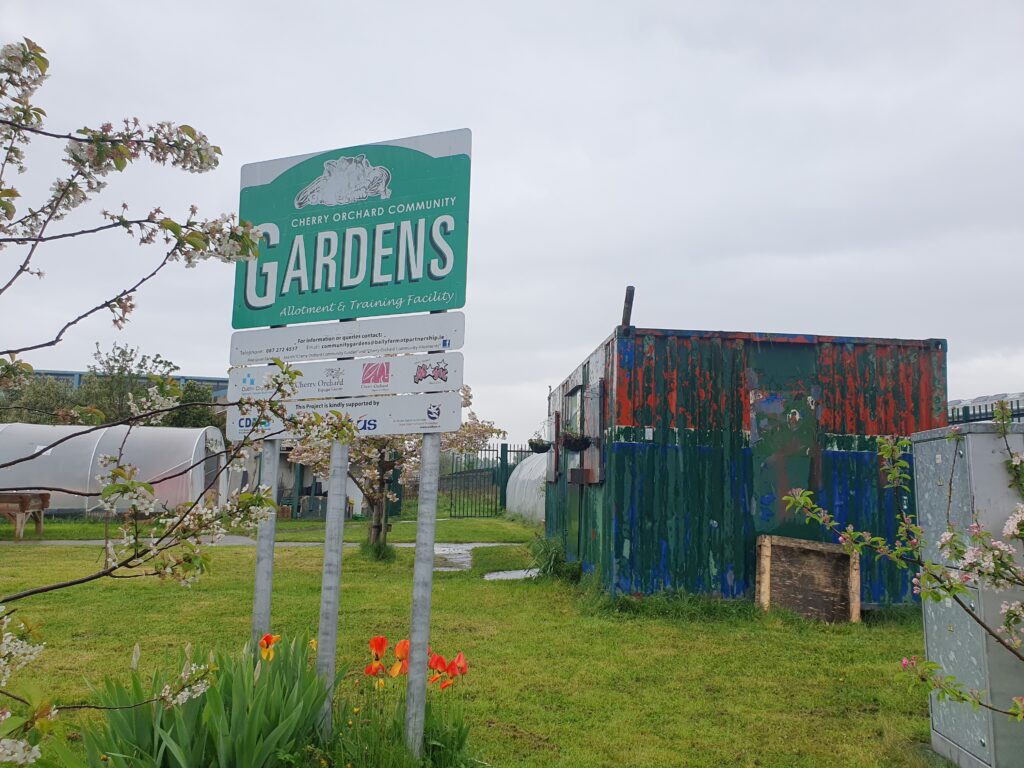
{"x":474,"y":484}
{"x":968,"y":413}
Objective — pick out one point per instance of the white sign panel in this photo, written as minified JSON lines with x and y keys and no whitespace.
{"x":355,"y":378}
{"x":380,"y":336}
{"x":375,"y":416}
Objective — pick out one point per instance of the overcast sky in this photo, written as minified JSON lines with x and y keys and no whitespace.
{"x":816,"y":167}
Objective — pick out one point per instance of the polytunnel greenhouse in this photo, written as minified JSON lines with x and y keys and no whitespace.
{"x":180,"y":463}
{"x":525,"y":495}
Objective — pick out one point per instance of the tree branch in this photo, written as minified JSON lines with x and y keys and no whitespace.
{"x":105,"y":305}
{"x":54,"y":207}
{"x":127,"y":420}
{"x":125,"y":223}
{"x":127,"y":562}
{"x":14,"y":696}
{"x":92,"y":139}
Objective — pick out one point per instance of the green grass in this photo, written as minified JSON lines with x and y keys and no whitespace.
{"x":556,"y":679}
{"x":452,"y":531}
{"x":57,"y":529}
{"x":487,"y":559}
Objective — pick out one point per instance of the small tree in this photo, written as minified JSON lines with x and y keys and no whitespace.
{"x":198,"y":410}
{"x":40,"y":401}
{"x":154,"y":540}
{"x":373,"y":460}
{"x":121,"y":376}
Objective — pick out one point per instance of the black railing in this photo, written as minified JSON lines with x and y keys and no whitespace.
{"x":474,"y":484}
{"x":964,"y":414}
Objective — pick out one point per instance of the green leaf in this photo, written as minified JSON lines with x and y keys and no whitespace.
{"x":196,"y":239}
{"x":172,"y":226}
{"x":41,"y":61}
{"x":188,"y":130}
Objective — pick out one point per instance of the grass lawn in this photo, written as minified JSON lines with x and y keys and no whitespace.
{"x":450,"y":531}
{"x":554,"y":681}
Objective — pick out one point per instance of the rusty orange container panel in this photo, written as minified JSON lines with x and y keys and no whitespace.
{"x":697,"y":435}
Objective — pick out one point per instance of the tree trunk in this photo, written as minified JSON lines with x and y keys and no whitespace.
{"x":379,"y":523}
{"x":377,"y":532}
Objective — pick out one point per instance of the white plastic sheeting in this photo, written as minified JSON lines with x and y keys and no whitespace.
{"x":525,"y":490}
{"x":158,"y":452}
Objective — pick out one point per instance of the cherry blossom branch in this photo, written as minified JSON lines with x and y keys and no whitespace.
{"x":980,"y":622}
{"x":124,"y":562}
{"x":91,"y":138}
{"x":126,"y":420}
{"x":109,"y":304}
{"x":54,"y":208}
{"x":153,"y":480}
{"x":14,"y":696}
{"x":125,"y":223}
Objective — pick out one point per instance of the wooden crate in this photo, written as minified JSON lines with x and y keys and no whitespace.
{"x":816,"y":580}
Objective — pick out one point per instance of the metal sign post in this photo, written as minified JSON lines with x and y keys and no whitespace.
{"x":355,"y":233}
{"x":422,"y":585}
{"x":265,"y":546}
{"x":330,"y":586}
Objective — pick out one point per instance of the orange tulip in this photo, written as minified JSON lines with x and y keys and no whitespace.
{"x":378,"y":645}
{"x":267,"y":646}
{"x":401,"y":666}
{"x":446,"y":683}
{"x":434,"y":679}
{"x":402,"y":650}
{"x":373,"y":668}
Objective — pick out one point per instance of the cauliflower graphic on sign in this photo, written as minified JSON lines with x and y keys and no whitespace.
{"x":346,"y":180}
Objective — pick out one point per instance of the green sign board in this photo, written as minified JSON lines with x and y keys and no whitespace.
{"x":379,"y":229}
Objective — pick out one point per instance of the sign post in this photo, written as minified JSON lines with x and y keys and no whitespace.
{"x":263,"y":587}
{"x":422,"y":587}
{"x":360,"y":232}
{"x":330,"y":585}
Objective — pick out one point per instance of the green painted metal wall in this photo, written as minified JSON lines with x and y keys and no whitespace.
{"x":701,"y":434}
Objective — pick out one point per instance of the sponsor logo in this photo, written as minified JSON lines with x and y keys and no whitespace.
{"x":248,"y":380}
{"x":248,"y":422}
{"x":364,"y":424}
{"x":335,"y":374}
{"x":437,"y":371}
{"x":346,"y":180}
{"x":376,"y":374}
{"x":433,"y":412}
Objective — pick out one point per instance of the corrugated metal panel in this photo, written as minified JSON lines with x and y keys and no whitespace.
{"x":706,"y":431}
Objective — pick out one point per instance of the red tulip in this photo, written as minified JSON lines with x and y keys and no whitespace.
{"x":437,"y":663}
{"x":267,"y":646}
{"x":378,"y":645}
{"x":458,"y":666}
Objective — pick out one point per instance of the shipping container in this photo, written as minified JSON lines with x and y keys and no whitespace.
{"x":689,"y":440}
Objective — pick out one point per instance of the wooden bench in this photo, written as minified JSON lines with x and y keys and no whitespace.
{"x":19,"y":507}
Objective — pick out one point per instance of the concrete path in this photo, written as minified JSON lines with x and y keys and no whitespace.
{"x":517,"y":575}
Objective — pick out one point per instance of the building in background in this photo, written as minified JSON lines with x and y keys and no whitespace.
{"x":673,"y":450}
{"x":217,"y":384}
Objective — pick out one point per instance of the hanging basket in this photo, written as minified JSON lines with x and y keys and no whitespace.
{"x":573,"y":442}
{"x":538,"y":446}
